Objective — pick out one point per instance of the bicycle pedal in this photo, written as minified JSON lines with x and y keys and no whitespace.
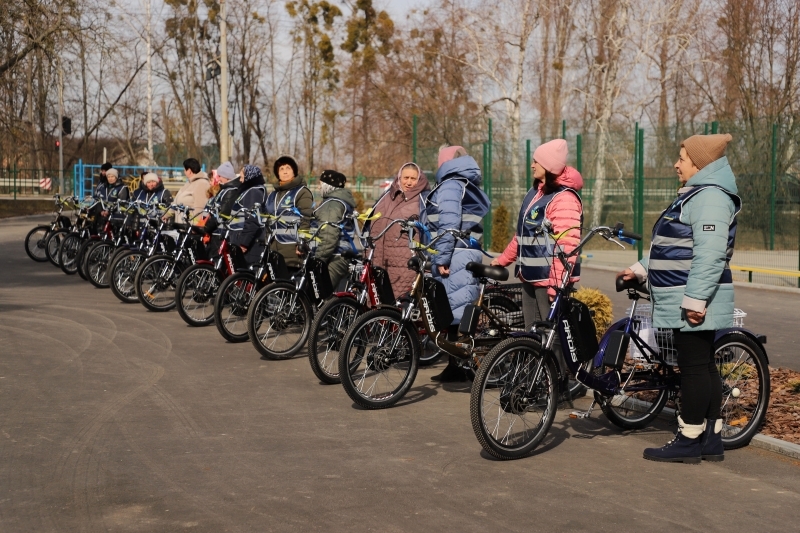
{"x":580,"y":414}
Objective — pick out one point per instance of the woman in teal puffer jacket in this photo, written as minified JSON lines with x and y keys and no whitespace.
{"x":692,"y":289}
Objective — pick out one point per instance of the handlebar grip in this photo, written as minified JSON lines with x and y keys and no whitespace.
{"x":629,"y":235}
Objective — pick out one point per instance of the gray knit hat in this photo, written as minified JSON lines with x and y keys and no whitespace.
{"x":225,"y":170}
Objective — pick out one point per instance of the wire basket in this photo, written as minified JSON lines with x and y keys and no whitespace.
{"x":660,"y":338}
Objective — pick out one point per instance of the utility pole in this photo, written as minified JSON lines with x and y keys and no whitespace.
{"x":149,"y":91}
{"x":223,"y":48}
{"x":60,"y":128}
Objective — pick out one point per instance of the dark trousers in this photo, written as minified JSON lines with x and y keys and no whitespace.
{"x":701,"y":386}
{"x":536,"y":308}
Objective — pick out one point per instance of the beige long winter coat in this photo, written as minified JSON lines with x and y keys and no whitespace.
{"x":193,"y":194}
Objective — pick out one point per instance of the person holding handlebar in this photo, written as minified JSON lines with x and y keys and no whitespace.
{"x":692,"y":289}
{"x":553,"y":200}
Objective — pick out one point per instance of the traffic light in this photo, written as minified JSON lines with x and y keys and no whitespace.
{"x":66,"y":125}
{"x":58,"y":145}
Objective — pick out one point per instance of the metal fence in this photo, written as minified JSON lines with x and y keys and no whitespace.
{"x":30,"y":182}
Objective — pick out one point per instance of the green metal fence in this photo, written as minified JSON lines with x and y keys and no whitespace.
{"x":29,"y":182}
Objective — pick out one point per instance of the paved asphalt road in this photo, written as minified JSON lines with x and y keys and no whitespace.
{"x":116,"y":419}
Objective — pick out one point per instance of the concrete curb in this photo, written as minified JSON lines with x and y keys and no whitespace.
{"x":772,"y":444}
{"x":742,"y":284}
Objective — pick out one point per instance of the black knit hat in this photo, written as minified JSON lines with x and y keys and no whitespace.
{"x":332,"y":177}
{"x":106,"y":166}
{"x":284,"y":160}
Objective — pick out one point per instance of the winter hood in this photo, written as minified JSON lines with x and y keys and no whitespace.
{"x":717,"y":173}
{"x":570,"y":177}
{"x":342,"y":194}
{"x":397,"y":188}
{"x":461,"y":167}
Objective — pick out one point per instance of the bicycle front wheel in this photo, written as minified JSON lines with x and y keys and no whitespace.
{"x":123,"y":273}
{"x":231,"y":306}
{"x":279,"y":320}
{"x":378,"y":359}
{"x":327,"y":331}
{"x":68,"y":253}
{"x":514,"y":398}
{"x":194,"y":296}
{"x":743,"y":368}
{"x":155,"y":282}
{"x":53,"y":244}
{"x":97,"y":264}
{"x":35,"y":242}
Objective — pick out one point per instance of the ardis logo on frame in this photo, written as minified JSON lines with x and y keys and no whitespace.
{"x":573,"y":351}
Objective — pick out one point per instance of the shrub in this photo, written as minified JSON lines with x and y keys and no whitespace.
{"x":501,"y":228}
{"x":600,"y":305}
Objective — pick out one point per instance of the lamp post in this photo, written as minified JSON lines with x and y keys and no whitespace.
{"x":223,"y":47}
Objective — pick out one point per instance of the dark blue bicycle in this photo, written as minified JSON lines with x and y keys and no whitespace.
{"x":631,"y":370}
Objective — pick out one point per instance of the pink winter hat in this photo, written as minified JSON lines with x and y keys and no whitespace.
{"x":552,"y":156}
{"x":449,"y":153}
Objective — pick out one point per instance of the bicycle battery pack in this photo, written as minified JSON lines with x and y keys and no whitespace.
{"x":435,"y":304}
{"x":319,"y":284}
{"x":616,"y":349}
{"x":275,"y":268}
{"x":383,"y":286}
{"x":583,"y":331}
{"x":469,"y":322}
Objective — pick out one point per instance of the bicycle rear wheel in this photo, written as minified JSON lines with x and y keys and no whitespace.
{"x":81,"y":259}
{"x":279,"y":320}
{"x":231,"y":306}
{"x":195,"y":293}
{"x":641,"y":397}
{"x":35,"y":242}
{"x":743,"y":368}
{"x":327,"y":331}
{"x":123,"y":274}
{"x":378,"y":359}
{"x":514,"y":398}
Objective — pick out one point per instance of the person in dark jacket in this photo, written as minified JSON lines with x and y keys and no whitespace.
{"x":224,"y":191}
{"x":152,"y":191}
{"x":337,"y":202}
{"x":116,"y":190}
{"x":246,"y":230}
{"x":291,"y":193}
{"x":102,"y":185}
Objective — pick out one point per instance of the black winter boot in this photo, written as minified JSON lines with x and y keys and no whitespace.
{"x":713,"y":450}
{"x":686,"y":447}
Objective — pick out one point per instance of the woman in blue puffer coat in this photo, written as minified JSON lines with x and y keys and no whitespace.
{"x":457,"y":202}
{"x":689,"y":276}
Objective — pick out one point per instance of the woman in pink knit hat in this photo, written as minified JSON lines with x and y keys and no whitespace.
{"x":554,"y":198}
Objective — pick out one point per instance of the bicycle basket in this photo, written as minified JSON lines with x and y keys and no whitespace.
{"x":661,"y":338}
{"x":435,"y":304}
{"x":319,"y":284}
{"x":583,"y":333}
{"x":384,"y":286}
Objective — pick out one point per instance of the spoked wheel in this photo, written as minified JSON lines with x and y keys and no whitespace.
{"x":83,"y":251}
{"x":279,"y":320}
{"x":327,"y":331}
{"x":514,"y":398}
{"x":155,"y":282}
{"x":231,"y":306}
{"x":641,"y":397}
{"x":743,"y":368}
{"x":97,"y":259}
{"x":378,"y":359}
{"x":53,"y":244}
{"x":429,"y":353}
{"x":35,"y":242}
{"x":68,"y":253}
{"x":123,"y":274}
{"x":195,"y":293}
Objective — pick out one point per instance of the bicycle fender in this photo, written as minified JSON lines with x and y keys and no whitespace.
{"x":203,"y":262}
{"x":344,"y":294}
{"x":388,"y":306}
{"x":760,"y":340}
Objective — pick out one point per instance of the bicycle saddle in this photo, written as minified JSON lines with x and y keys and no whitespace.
{"x":485,"y":271}
{"x":180,"y":226}
{"x":631,"y":284}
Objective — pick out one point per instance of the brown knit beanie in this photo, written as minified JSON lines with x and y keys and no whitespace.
{"x":704,"y":149}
